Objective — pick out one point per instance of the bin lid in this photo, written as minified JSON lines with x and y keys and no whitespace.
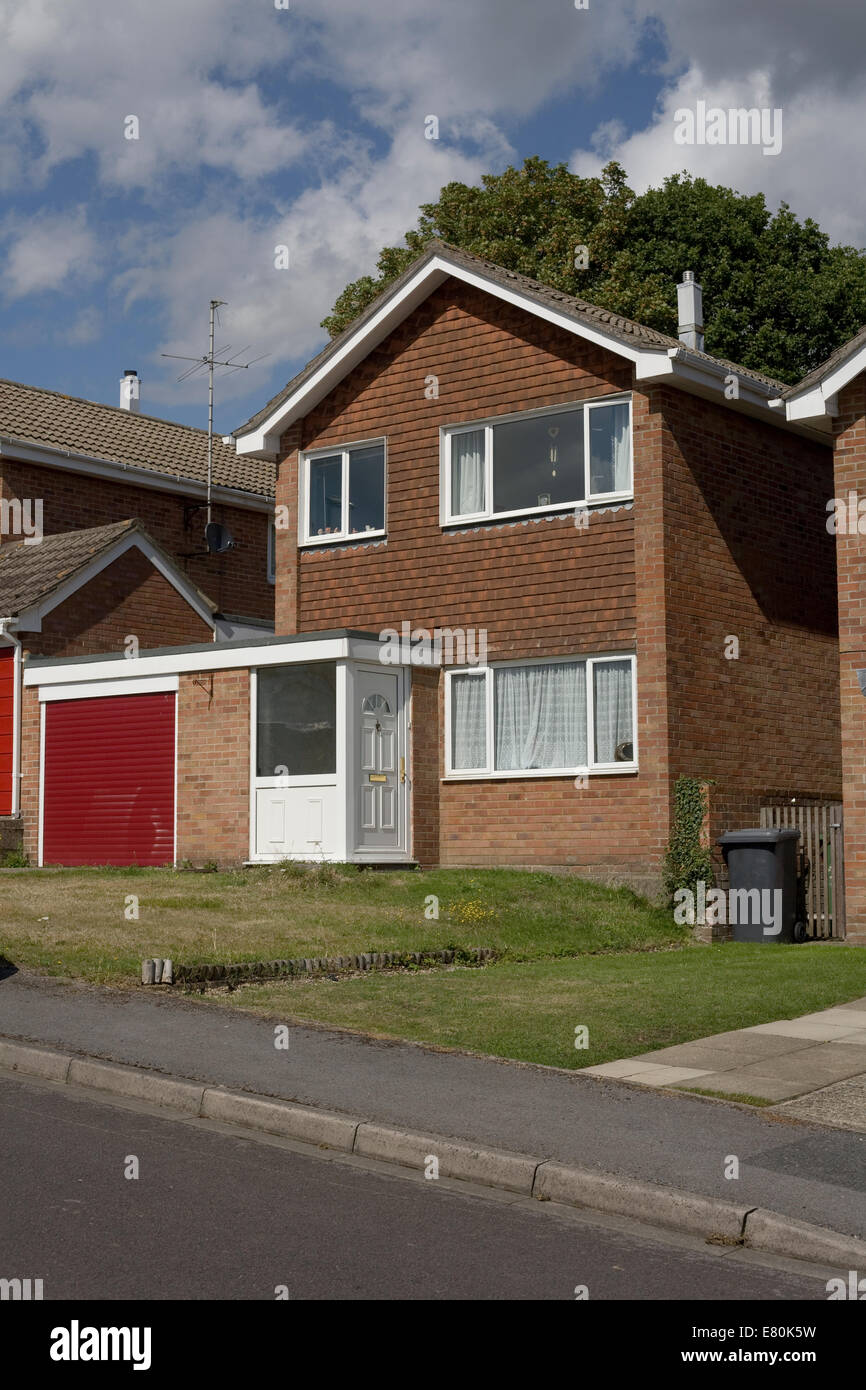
{"x":761,"y":835}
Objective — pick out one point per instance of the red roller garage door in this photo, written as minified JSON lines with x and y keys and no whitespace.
{"x":108,"y":788}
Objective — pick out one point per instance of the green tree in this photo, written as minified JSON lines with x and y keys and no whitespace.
{"x":777,"y":296}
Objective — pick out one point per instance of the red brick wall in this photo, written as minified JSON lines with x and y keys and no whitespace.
{"x":237,"y":582}
{"x":30,"y":724}
{"x":424,"y":762}
{"x":213,"y":767}
{"x":539,"y":586}
{"x":128,"y":597}
{"x":850,"y":475}
{"x":747,"y":555}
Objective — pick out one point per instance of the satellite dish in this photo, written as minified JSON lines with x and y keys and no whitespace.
{"x":218,"y":538}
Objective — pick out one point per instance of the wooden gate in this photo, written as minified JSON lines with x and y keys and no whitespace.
{"x":821,"y":861}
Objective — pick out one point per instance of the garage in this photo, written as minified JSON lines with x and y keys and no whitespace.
{"x":108,"y":780}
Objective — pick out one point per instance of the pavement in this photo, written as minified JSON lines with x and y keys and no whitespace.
{"x":811,"y":1172}
{"x":815,"y":1064}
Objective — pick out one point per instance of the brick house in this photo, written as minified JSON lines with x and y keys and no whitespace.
{"x":598,"y":521}
{"x":102,"y":514}
{"x":833,"y":397}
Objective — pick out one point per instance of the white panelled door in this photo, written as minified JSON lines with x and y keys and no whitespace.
{"x":381,"y":770}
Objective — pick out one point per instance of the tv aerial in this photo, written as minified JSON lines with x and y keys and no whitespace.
{"x":218,"y":538}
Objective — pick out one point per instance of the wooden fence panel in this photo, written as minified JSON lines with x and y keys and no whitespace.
{"x":822,"y":849}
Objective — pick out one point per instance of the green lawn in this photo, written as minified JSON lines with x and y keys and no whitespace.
{"x":629,"y":1003}
{"x":573,"y":953}
{"x":75,"y":922}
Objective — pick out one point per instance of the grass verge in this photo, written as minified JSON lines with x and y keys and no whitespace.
{"x":630,"y":1003}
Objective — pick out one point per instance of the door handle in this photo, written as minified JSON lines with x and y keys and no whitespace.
{"x":402,"y":769}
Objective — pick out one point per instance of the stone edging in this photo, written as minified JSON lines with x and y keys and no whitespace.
{"x":164,"y":972}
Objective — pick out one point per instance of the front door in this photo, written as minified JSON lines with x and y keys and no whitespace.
{"x":381,"y":772}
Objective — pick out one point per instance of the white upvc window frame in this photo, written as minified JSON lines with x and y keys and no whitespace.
{"x":590,"y":769}
{"x":309,"y":456}
{"x":272,"y":550}
{"x":447,"y":432}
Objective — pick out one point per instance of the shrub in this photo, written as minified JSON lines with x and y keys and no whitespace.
{"x":687,"y":861}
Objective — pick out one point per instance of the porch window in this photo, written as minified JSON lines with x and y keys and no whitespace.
{"x":344,"y":493}
{"x":542,"y":717}
{"x":296,"y":720}
{"x":538,"y":462}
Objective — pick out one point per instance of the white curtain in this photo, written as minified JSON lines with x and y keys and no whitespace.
{"x":468,"y":723}
{"x":621,"y":448}
{"x":610,"y":449}
{"x":540,"y":716}
{"x":467,"y":473}
{"x":612,"y":707}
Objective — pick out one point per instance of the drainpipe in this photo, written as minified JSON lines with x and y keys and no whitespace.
{"x":6,"y":625}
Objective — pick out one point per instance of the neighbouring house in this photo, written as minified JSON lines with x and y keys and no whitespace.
{"x":102,"y":517}
{"x":833,"y":398}
{"x":609,"y":538}
{"x":108,"y":588}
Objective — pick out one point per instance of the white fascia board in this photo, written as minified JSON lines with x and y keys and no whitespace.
{"x":265,"y":439}
{"x":31,"y":619}
{"x":822,"y":398}
{"x":88,"y":690}
{"x":215,"y":658}
{"x":707,"y":380}
{"x":24,"y":452}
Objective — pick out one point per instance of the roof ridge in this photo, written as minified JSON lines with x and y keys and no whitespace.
{"x":103,"y":405}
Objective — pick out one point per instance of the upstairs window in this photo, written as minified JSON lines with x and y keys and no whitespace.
{"x":539,"y":462}
{"x":343,"y":493}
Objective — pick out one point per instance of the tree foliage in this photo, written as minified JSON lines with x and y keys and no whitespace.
{"x":777,"y":296}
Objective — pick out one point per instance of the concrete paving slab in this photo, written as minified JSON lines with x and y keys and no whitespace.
{"x":818,"y":1067}
{"x":665,"y":1076}
{"x":793,"y":1028}
{"x":739,"y":1083}
{"x":769,"y":1043}
{"x":852,"y":1018}
{"x":705,"y":1054}
{"x":616,"y":1070}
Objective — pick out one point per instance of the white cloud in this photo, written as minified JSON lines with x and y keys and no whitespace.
{"x":819,"y":170}
{"x":70,"y":74}
{"x":56,"y":251}
{"x":334,"y":233}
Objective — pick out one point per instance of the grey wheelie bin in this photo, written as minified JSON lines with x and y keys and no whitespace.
{"x":762,"y":863}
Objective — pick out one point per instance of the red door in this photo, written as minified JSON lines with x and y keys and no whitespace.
{"x":7,"y":726}
{"x":108,"y":788}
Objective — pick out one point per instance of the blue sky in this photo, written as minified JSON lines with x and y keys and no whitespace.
{"x":304,"y":126}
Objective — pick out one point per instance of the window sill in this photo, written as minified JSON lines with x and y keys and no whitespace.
{"x":608,"y":499}
{"x":356,"y":538}
{"x":607,"y":770}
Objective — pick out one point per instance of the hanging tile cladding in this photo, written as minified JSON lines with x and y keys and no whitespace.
{"x":539,"y":585}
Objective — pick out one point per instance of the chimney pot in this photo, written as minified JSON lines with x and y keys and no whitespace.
{"x":690,"y":307}
{"x":130,"y":391}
